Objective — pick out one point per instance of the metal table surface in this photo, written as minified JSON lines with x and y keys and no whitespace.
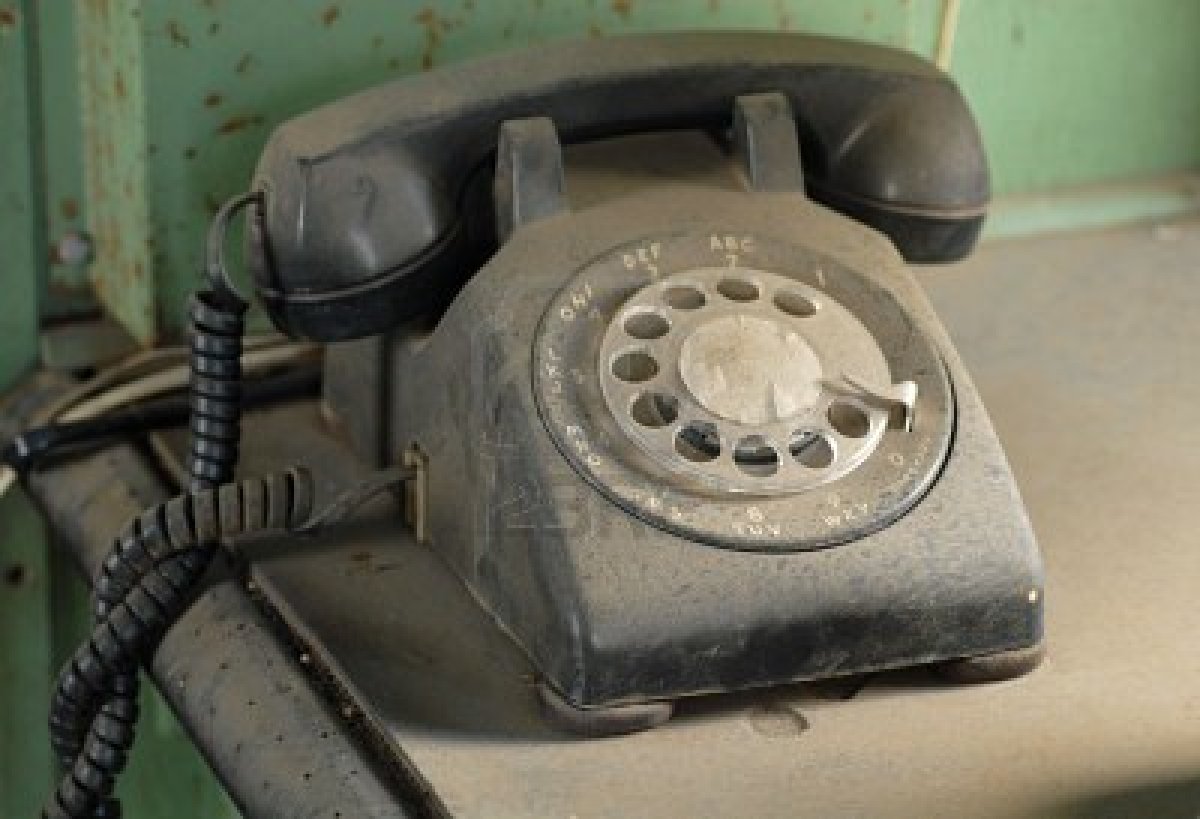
{"x":1079,"y":344}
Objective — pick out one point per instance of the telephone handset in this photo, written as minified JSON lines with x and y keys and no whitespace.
{"x":694,"y":435}
{"x":368,"y":219}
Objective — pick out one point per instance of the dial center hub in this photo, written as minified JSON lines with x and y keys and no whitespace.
{"x":750,"y":370}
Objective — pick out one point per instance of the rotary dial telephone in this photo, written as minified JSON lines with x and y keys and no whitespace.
{"x":677,"y":432}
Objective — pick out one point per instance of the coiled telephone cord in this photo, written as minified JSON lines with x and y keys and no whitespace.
{"x":157,"y":562}
{"x":145,"y":583}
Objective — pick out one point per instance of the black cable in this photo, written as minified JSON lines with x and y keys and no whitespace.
{"x":38,"y":444}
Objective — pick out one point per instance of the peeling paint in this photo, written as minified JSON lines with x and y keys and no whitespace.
{"x":212,"y":100}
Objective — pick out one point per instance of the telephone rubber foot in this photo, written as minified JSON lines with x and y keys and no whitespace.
{"x":1004,"y":665}
{"x":601,"y":722}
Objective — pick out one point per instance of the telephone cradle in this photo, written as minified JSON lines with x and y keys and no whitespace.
{"x":676,"y":433}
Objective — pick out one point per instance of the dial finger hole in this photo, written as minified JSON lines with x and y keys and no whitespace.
{"x":754,"y":456}
{"x":848,"y":419}
{"x":738,"y":289}
{"x":654,"y":409}
{"x":794,"y":304}
{"x":635,"y":366}
{"x":684,"y":297}
{"x":698,"y":441}
{"x":810,"y":449}
{"x":647,"y":325}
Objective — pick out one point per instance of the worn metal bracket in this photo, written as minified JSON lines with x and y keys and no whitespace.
{"x":416,"y":493}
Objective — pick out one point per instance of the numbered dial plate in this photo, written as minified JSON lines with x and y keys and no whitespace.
{"x":740,"y":391}
{"x":741,"y":380}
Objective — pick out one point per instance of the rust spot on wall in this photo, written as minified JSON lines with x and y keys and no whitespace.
{"x":69,"y":208}
{"x":330,"y":15}
{"x":243,"y":64}
{"x":8,"y":17}
{"x":212,"y":100}
{"x":239,"y":123}
{"x":119,"y":84}
{"x":14,"y":575}
{"x":428,"y":18}
{"x":595,"y":31}
{"x":622,"y":8}
{"x":177,"y":34}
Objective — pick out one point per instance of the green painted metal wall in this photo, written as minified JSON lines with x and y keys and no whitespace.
{"x":1072,"y":92}
{"x":132,"y":120}
{"x":22,"y":232}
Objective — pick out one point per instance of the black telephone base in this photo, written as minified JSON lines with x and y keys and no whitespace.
{"x":615,"y":608}
{"x":694,"y":432}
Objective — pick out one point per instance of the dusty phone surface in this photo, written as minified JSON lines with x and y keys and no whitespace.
{"x":682,"y":418}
